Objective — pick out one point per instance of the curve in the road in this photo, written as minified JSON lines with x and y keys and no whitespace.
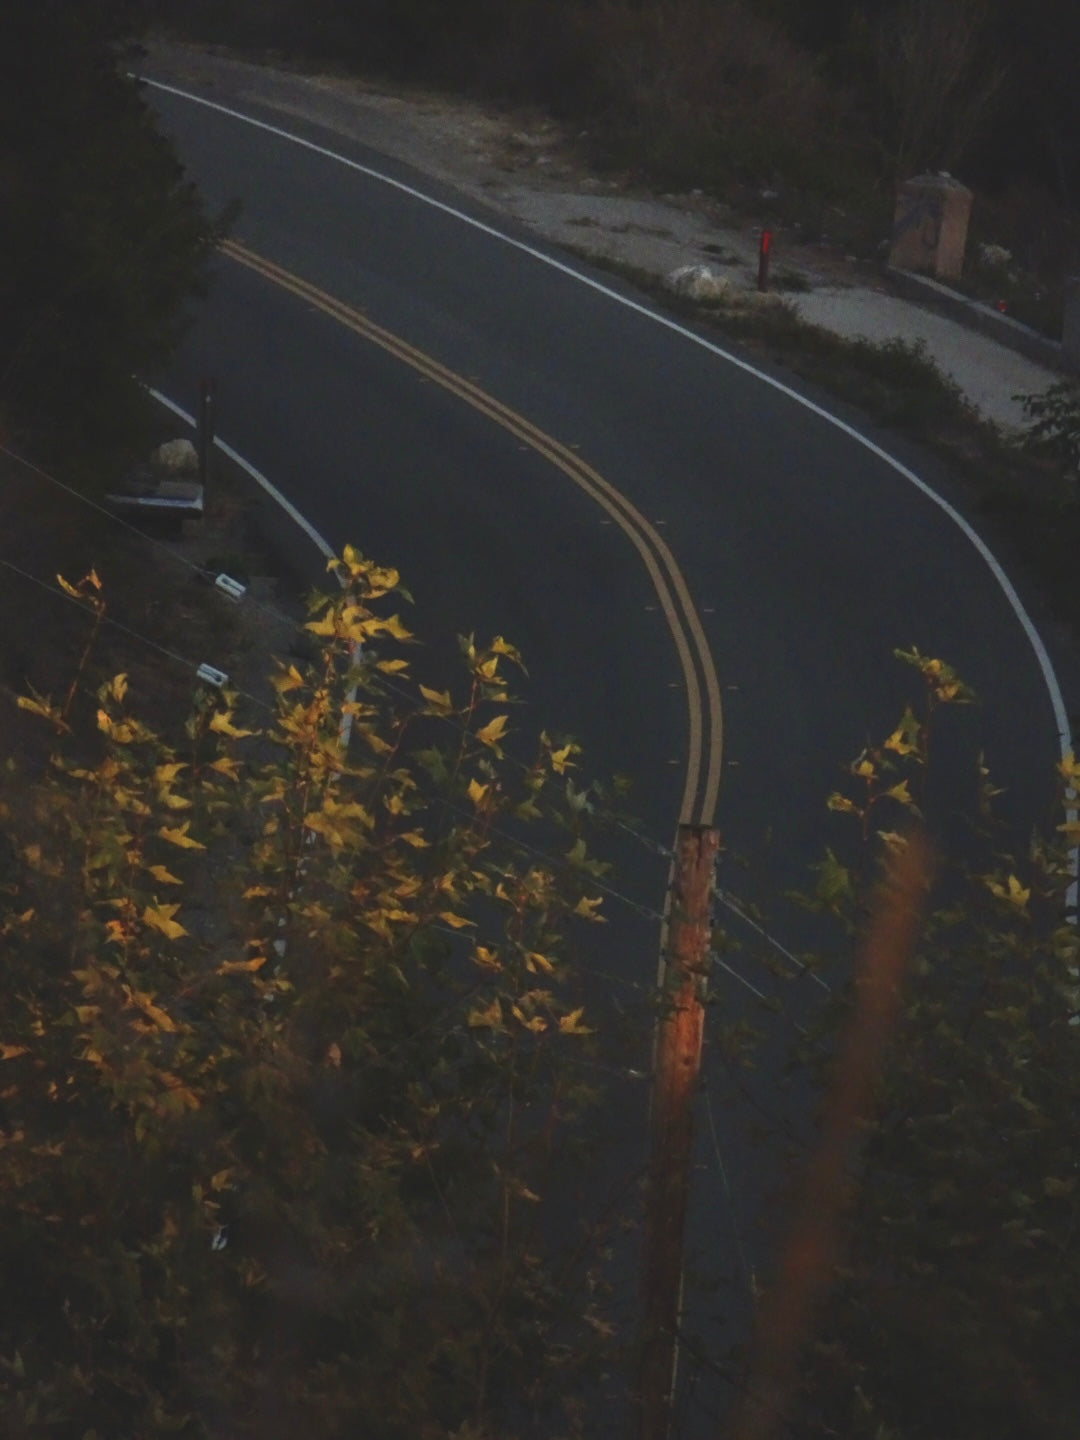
{"x":1042,"y":656}
{"x":704,"y":713}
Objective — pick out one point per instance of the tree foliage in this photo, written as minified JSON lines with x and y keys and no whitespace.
{"x":846,"y":91}
{"x":954,"y":1309}
{"x":289,"y":1052}
{"x":102,"y":239}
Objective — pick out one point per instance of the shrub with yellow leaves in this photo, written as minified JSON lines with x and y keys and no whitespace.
{"x":289,"y":1046}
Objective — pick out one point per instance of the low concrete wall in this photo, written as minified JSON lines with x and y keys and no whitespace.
{"x":982,"y":317}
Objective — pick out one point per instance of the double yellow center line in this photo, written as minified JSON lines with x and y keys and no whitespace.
{"x":704,"y":714}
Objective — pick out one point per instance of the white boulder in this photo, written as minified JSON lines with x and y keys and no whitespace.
{"x":995,"y":257}
{"x":176,"y":457}
{"x":698,"y":282}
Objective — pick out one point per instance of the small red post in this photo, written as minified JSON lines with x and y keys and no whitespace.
{"x":763,"y":260}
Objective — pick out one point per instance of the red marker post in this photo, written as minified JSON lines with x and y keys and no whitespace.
{"x":763,"y":260}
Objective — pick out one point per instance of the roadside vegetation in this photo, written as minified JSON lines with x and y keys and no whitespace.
{"x":293,"y":1057}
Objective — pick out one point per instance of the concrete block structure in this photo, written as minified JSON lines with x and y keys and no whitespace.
{"x":930,"y":226}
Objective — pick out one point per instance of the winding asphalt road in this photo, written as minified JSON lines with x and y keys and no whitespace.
{"x":806,"y":557}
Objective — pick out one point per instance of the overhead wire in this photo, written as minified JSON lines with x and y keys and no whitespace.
{"x":724,"y":898}
{"x":740,"y":1247}
{"x":114,"y":624}
{"x":247,"y":599}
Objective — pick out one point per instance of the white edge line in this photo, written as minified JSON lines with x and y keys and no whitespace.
{"x":1057,"y":701}
{"x":318,"y":540}
{"x":275,"y":494}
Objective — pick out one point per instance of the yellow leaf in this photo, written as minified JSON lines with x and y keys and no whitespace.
{"x":391,"y":625}
{"x":1012,"y":891}
{"x":458,"y":922}
{"x":159,"y":917}
{"x":226,"y":765}
{"x":477,"y":791}
{"x":166,"y":877}
{"x":391,"y":667}
{"x":241,"y":967}
{"x":9,"y":1052}
{"x":222,"y":1178}
{"x":286,"y":680}
{"x":166,"y":774}
{"x":179,"y":836}
{"x":44,"y":709}
{"x":1018,"y":895}
{"x":864,"y":769}
{"x":490,"y":1019}
{"x":560,"y":759}
{"x":173,"y":802}
{"x":122,"y":731}
{"x":414,"y":838}
{"x":438,"y":699}
{"x":521,"y":1190}
{"x":536,"y":1023}
{"x":503,"y":647}
{"x":571,"y":1024}
{"x":535,"y":961}
{"x":587,"y":909}
{"x":901,"y":794}
{"x":253,"y":892}
{"x":836,"y":801}
{"x":486,"y":959}
{"x":398,"y":915}
{"x":161,"y":1018}
{"x":333,"y":1054}
{"x":118,"y":687}
{"x":221,"y":723}
{"x":491,"y":733}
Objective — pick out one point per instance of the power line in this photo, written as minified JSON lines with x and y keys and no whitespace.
{"x":744,"y":1264}
{"x":246,"y":599}
{"x":724,"y":898}
{"x":183,"y":660}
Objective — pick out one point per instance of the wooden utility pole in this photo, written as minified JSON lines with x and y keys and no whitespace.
{"x":675,"y":1077}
